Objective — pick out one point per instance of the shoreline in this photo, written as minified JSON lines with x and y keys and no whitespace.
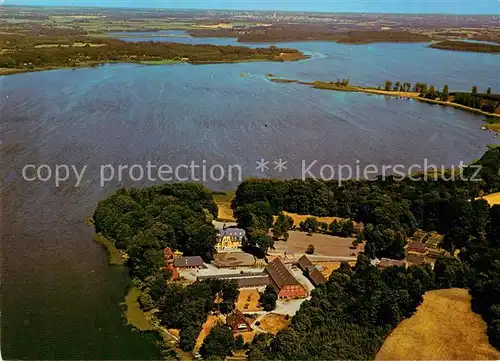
{"x":411,"y":95}
{"x":115,"y":257}
{"x":132,"y":313}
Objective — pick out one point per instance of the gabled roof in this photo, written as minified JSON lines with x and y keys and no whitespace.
{"x":417,"y":247}
{"x":236,"y":317}
{"x":304,"y":262}
{"x":415,"y":259}
{"x":280,"y":274}
{"x":195,"y":261}
{"x":434,"y":253}
{"x":253,"y":281}
{"x":316,"y":276}
{"x":232,"y":232}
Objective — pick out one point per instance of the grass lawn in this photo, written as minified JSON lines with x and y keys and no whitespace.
{"x":443,"y":328}
{"x":135,"y":316}
{"x":223,"y":202}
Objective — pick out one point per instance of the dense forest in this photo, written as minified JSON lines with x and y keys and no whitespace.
{"x":187,"y":308}
{"x":143,"y":222}
{"x":391,"y":211}
{"x":367,"y":37}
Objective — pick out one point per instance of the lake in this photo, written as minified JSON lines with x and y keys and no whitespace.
{"x":60,"y":300}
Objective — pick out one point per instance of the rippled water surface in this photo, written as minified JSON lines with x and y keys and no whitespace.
{"x":60,"y":299}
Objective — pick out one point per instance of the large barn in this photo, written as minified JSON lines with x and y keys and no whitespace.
{"x":283,"y":280}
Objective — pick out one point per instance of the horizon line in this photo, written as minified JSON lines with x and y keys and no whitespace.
{"x":250,"y":11}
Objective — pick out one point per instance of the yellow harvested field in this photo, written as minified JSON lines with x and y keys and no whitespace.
{"x":495,"y":126}
{"x":493,"y":199}
{"x":328,"y":267}
{"x":274,"y":323}
{"x":223,"y":202}
{"x":207,"y":326}
{"x":81,"y":45}
{"x":248,"y":301}
{"x":75,"y":45}
{"x":247,"y":336}
{"x":443,"y":328}
{"x":325,"y":245}
{"x":216,"y":26}
{"x":175,"y":332}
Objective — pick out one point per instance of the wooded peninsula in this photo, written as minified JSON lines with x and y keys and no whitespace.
{"x":478,"y":103}
{"x":27,"y":52}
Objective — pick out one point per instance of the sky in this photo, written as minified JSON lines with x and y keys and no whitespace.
{"x":359,"y":6}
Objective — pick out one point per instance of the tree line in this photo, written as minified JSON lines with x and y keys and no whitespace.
{"x":30,"y":52}
{"x":486,"y":102}
{"x":390,"y":210}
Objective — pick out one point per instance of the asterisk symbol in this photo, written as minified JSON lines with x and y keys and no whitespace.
{"x":262,"y":165}
{"x":280,"y":165}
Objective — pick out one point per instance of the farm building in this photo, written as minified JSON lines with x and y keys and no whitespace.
{"x":283,"y":280}
{"x":417,"y":247}
{"x":245,"y":280}
{"x":238,"y":322}
{"x":434,"y":254}
{"x":415,"y":259}
{"x":304,"y":262}
{"x":189,"y":262}
{"x":311,"y":271}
